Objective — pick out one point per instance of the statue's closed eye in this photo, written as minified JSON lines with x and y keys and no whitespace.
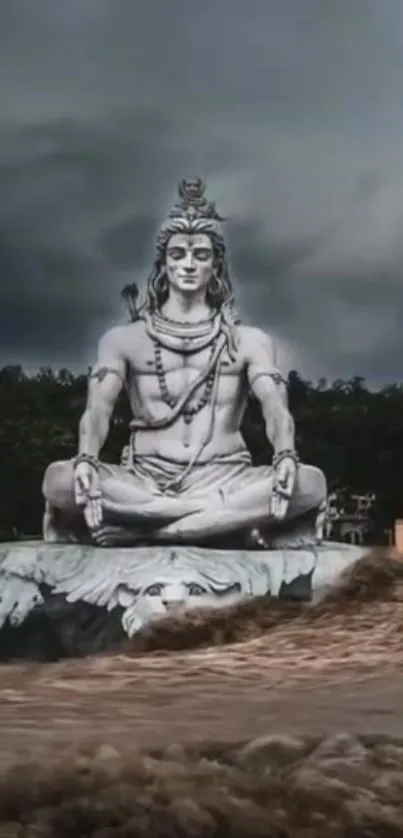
{"x":196,"y":590}
{"x":154,"y":590}
{"x":235,"y":588}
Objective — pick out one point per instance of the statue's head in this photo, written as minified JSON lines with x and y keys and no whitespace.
{"x":191,"y":253}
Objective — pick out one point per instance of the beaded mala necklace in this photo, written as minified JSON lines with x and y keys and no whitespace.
{"x":190,"y":410}
{"x":184,"y":338}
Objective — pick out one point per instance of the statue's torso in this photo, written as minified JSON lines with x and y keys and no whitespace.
{"x":181,"y":439}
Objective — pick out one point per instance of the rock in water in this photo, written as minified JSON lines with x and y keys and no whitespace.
{"x":72,"y":600}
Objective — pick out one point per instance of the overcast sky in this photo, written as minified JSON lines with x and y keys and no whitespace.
{"x":292,"y":110}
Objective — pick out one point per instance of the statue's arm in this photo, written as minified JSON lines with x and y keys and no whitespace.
{"x":270,"y":388}
{"x":106,"y":381}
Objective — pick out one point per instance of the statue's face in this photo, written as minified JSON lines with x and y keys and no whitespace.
{"x":189,"y":262}
{"x":175,"y":591}
{"x":179,"y":592}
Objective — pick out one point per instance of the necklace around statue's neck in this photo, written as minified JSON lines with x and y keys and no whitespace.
{"x":183,"y":337}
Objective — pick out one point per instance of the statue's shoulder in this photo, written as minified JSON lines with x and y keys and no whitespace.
{"x":251,"y":339}
{"x":122,"y":336}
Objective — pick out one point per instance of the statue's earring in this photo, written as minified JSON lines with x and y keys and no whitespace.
{"x":162,"y":281}
{"x":215,"y":283}
{"x":215,"y":287}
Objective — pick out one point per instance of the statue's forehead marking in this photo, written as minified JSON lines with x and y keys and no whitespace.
{"x":190,"y":240}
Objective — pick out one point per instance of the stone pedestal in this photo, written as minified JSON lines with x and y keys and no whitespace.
{"x":77,"y":599}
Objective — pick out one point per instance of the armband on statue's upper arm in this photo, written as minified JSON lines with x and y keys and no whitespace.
{"x":275,"y":376}
{"x":262,"y":360}
{"x":100,"y":373}
{"x":104,"y":386}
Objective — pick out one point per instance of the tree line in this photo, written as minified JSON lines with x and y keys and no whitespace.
{"x":352,"y":433}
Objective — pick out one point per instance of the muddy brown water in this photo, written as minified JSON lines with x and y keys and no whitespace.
{"x":342,"y":671}
{"x":39,"y":716}
{"x":341,"y":682}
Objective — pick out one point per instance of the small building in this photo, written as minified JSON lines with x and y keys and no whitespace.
{"x":349,"y":517}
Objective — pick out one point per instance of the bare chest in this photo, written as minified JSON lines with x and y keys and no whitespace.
{"x":154,"y":371}
{"x":148,"y":358}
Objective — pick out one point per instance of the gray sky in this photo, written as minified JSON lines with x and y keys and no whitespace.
{"x":292,"y":110}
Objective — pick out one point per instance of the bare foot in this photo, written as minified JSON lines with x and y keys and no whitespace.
{"x":108,"y":535}
{"x":256,"y":541}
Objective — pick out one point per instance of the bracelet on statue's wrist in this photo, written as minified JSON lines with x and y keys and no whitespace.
{"x":285,"y":454}
{"x":90,"y":459}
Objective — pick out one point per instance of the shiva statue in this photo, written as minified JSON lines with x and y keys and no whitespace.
{"x":188,"y":365}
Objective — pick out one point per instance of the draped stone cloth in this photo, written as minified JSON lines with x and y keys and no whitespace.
{"x":220,"y":476}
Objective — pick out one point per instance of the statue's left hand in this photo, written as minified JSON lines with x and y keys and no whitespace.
{"x":88,"y":493}
{"x":284,"y":477}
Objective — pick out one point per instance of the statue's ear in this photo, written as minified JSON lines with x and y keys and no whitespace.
{"x":161,"y":265}
{"x":218,"y":265}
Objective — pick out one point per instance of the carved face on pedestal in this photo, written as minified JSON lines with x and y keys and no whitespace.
{"x":178,"y":582}
{"x":189,"y":262}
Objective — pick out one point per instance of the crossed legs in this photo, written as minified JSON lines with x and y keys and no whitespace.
{"x":134,"y":514}
{"x":248,"y":508}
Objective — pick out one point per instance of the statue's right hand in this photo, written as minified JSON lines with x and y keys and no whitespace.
{"x":87,"y":492}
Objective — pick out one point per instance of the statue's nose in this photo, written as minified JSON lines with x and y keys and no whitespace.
{"x":172,"y":604}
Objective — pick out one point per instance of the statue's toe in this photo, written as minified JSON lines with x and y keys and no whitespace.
{"x":102,"y":536}
{"x":255,"y":540}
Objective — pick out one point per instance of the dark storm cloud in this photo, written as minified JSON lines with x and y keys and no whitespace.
{"x":291,"y":110}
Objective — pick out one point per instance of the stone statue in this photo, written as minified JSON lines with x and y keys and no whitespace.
{"x":185,"y":487}
{"x":188,"y":365}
